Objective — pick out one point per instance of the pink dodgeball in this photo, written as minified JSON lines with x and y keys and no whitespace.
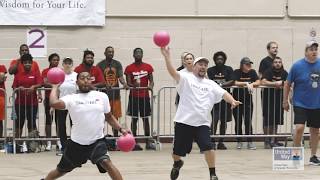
{"x":55,"y":75}
{"x":126,"y":143}
{"x":161,"y":38}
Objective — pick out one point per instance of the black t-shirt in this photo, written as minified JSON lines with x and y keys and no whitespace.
{"x":220,"y":75}
{"x":272,"y":75}
{"x":249,"y":77}
{"x":265,"y":64}
{"x":272,"y":97}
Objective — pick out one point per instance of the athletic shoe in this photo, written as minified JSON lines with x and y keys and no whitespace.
{"x":251,"y":146}
{"x":314,"y":161}
{"x":137,"y":147}
{"x":48,"y":147}
{"x":239,"y":145}
{"x":150,"y":146}
{"x":221,"y":146}
{"x":213,"y":177}
{"x":59,"y":153}
{"x":279,"y":144}
{"x":24,"y":147}
{"x":267,"y":145}
{"x":175,"y":170}
{"x":58,"y":146}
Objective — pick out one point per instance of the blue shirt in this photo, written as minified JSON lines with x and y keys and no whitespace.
{"x":306,"y":79}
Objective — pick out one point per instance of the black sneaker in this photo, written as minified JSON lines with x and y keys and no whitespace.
{"x":314,"y":161}
{"x":175,"y":170}
{"x":214,"y":146}
{"x":279,"y":144}
{"x":59,"y":153}
{"x":137,"y":147}
{"x":221,"y":146}
{"x":213,"y":177}
{"x":150,"y":146}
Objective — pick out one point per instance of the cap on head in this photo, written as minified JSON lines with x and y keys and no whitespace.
{"x":312,"y":43}
{"x":67,"y":60}
{"x":246,"y":60}
{"x":200,"y":59}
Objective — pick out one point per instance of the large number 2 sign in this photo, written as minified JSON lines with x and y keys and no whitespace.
{"x":37,"y":41}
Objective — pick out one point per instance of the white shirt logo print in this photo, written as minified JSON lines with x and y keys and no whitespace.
{"x":139,"y":75}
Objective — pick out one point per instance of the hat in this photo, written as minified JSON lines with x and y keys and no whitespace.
{"x":67,"y":60}
{"x":312,"y":43}
{"x":200,"y":59}
{"x":246,"y":60}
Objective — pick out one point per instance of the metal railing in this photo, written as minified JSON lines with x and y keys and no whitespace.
{"x":258,"y":119}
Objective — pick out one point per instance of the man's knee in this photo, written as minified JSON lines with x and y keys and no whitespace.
{"x":299,"y":129}
{"x":314,"y":131}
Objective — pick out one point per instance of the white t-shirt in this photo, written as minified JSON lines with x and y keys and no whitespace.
{"x":197,"y":97}
{"x":185,"y":70}
{"x":69,"y":85}
{"x":87,"y":113}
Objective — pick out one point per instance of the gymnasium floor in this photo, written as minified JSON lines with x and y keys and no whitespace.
{"x":232,"y":164}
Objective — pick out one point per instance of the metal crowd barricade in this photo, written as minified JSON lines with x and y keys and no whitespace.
{"x":4,"y":134}
{"x":126,"y":119}
{"x":166,"y":110}
{"x":39,"y":118}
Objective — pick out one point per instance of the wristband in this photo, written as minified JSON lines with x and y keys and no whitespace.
{"x":120,"y":129}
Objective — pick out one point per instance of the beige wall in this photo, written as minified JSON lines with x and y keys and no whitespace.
{"x":199,"y":26}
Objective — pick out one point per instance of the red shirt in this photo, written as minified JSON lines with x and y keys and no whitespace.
{"x":95,"y":72}
{"x":34,"y":66}
{"x":26,"y":80}
{"x":139,"y":72}
{"x":44,"y":76}
{"x":2,"y":85}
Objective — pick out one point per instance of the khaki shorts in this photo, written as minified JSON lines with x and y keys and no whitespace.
{"x":116,"y":108}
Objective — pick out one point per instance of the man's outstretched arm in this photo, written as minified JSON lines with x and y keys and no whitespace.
{"x":172,"y":71}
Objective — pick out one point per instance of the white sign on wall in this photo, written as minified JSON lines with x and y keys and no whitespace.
{"x":37,"y":41}
{"x":52,"y":12}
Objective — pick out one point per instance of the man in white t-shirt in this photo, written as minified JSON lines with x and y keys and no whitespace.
{"x":88,"y":110}
{"x":197,"y":97}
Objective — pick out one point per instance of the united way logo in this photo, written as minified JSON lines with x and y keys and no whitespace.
{"x":288,"y":158}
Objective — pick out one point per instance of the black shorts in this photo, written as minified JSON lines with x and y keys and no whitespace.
{"x":311,"y":116}
{"x":139,"y":105}
{"x":75,"y":155}
{"x":184,"y":135}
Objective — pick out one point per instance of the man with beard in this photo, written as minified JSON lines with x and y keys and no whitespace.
{"x":305,"y":75}
{"x":17,"y":67}
{"x":265,"y":64}
{"x":88,"y":110}
{"x":197,"y":97}
{"x":87,"y":66}
{"x":139,"y":76}
{"x":272,"y":98}
{"x":222,"y":75}
{"x":113,"y":73}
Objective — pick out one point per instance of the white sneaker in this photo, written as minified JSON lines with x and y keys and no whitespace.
{"x":239,"y":145}
{"x":251,"y":146}
{"x":24,"y":147}
{"x":59,"y":146}
{"x":48,"y":147}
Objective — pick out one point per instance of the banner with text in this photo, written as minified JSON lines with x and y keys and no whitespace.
{"x":52,"y":12}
